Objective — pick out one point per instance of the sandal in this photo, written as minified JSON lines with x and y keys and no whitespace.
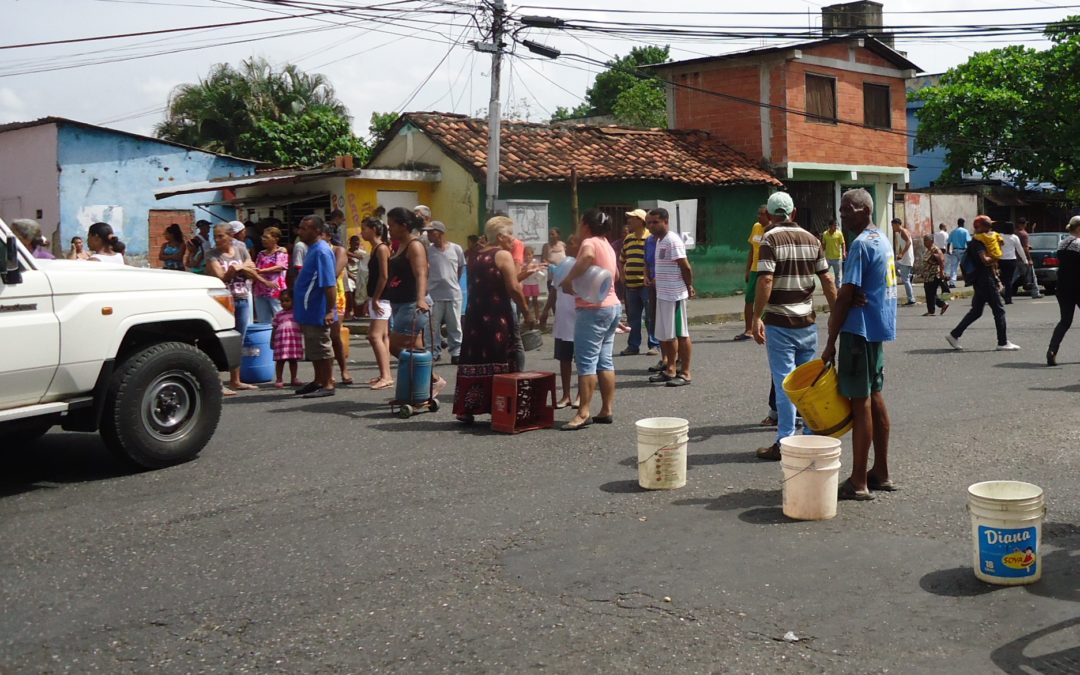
{"x":678,"y":381}
{"x":883,"y":486}
{"x":743,"y":337}
{"x":768,"y":422}
{"x":570,"y":426}
{"x":848,"y":491}
{"x":382,"y":384}
{"x":661,"y":377}
{"x":604,"y":419}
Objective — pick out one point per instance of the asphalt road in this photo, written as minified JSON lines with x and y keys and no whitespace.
{"x":329,"y":536}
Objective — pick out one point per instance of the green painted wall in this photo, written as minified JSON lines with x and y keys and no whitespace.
{"x":730,"y":211}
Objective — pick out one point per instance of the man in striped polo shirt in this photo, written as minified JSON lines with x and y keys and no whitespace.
{"x":790,"y":261}
{"x":632,"y":272}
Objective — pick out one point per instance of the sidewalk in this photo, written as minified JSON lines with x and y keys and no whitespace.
{"x":705,"y":311}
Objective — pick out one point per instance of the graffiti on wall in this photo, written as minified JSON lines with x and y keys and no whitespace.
{"x":102,"y":213}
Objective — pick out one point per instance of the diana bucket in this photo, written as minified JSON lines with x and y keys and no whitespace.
{"x":661,"y":447}
{"x":811,"y":466}
{"x":814,"y":390}
{"x":256,"y":356}
{"x":1006,"y":529}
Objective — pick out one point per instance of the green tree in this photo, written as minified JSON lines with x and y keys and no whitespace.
{"x":644,"y":103}
{"x":379,"y":125}
{"x":313,"y":137}
{"x":228,"y":109}
{"x":1010,"y":110}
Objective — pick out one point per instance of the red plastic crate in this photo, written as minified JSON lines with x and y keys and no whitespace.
{"x":522,"y":402}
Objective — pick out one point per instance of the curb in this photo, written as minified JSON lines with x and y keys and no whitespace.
{"x":823,"y":308}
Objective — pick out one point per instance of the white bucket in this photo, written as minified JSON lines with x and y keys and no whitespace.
{"x":1006,"y":529}
{"x":811,"y":465}
{"x":661,"y":447}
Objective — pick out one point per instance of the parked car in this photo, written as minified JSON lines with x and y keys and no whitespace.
{"x":1044,"y":247}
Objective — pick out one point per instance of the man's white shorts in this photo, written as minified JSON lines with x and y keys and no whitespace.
{"x":671,"y":321}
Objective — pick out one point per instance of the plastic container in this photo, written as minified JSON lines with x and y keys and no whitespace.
{"x":811,"y":467}
{"x":593,"y":285}
{"x":559,"y":271}
{"x":661,"y":443}
{"x":413,"y":376}
{"x":256,"y":356}
{"x":1006,"y":530}
{"x":816,"y":394}
{"x":345,"y":335}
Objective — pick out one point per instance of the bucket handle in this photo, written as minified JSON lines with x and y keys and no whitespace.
{"x":826,"y":366}
{"x":811,"y":465}
{"x":659,"y":450}
{"x":967,"y":507}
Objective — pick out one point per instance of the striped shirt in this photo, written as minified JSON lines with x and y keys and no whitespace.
{"x":794,"y":258}
{"x":669,"y":280}
{"x":633,"y":254}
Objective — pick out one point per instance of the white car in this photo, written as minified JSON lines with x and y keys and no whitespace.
{"x":132,"y":353}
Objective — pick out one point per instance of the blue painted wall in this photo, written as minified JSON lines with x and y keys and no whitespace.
{"x":99,"y":167}
{"x":927,"y":165}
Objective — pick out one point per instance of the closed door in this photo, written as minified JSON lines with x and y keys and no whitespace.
{"x":30,"y":348}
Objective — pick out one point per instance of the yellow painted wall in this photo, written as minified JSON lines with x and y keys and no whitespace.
{"x":360,"y":198}
{"x":455,"y":200}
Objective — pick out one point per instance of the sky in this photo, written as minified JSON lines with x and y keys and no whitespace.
{"x":408,"y":62}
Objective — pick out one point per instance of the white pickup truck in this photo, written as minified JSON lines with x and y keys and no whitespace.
{"x":132,"y":353}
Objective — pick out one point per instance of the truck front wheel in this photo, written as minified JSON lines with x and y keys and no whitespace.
{"x":162,"y":405}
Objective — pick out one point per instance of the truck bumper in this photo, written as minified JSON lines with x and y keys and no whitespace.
{"x":231,"y":343}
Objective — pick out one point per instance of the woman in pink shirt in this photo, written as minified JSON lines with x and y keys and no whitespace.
{"x":595,"y":323}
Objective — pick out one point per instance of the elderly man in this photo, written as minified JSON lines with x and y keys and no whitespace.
{"x":446,"y":260}
{"x":28,"y":232}
{"x":864,"y":318}
{"x":790,"y":262}
{"x":424,"y":213}
{"x":315,"y":305}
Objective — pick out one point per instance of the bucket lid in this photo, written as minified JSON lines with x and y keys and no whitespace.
{"x":661,"y":424}
{"x":1005,"y":490}
{"x":810,"y":443}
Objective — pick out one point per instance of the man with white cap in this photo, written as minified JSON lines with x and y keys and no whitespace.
{"x":789,"y":259}
{"x":237,"y":230}
{"x":632,"y":272}
{"x":446,"y":260}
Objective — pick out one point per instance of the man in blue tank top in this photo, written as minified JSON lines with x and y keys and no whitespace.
{"x":864,"y":319}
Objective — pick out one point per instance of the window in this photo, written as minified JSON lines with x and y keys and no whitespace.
{"x":821,"y":99}
{"x":876,"y":106}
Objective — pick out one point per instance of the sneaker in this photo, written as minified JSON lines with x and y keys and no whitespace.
{"x":1051,"y":358}
{"x":653,"y":351}
{"x":770,"y":454}
{"x":629,"y":352}
{"x":953,"y":342}
{"x":1008,"y":347}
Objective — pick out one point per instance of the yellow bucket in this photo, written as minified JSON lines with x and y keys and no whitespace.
{"x":814,"y":390}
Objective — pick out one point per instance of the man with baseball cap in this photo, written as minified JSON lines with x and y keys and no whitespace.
{"x":446,"y":260}
{"x":632,"y":272}
{"x":790,"y":261}
{"x":236,"y":229}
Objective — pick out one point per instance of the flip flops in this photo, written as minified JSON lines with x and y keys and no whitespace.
{"x":847,"y":491}
{"x":678,"y":381}
{"x":570,"y":426}
{"x":661,"y":377}
{"x":382,"y":384}
{"x":743,"y":337}
{"x":604,"y":419}
{"x":882,"y":486}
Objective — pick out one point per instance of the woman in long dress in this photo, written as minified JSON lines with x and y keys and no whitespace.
{"x":491,"y":342}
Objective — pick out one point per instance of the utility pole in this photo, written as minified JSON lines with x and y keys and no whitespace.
{"x":498,"y":10}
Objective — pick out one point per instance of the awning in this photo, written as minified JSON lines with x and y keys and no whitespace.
{"x":258,"y":201}
{"x":299,"y":177}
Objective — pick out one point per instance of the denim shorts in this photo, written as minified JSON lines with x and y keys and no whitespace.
{"x":405,"y":320}
{"x":594,"y":338}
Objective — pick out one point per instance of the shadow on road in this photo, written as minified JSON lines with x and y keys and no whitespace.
{"x":722,"y":458}
{"x":59,"y":458}
{"x":1010,"y":658}
{"x":732,"y":501}
{"x":698,"y":434}
{"x":958,"y":582}
{"x":943,"y":350}
{"x":1014,"y":365}
{"x":1071,"y":388}
{"x":623,"y":487}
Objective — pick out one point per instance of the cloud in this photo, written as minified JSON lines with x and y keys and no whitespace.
{"x":12,"y":106}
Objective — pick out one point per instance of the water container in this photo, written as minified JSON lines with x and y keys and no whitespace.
{"x":559,"y":271}
{"x":1006,"y":530}
{"x":345,"y":337}
{"x":811,"y":466}
{"x":593,"y":285}
{"x":815,"y":391}
{"x":257,"y":358}
{"x":413,"y":376}
{"x":662,"y":452}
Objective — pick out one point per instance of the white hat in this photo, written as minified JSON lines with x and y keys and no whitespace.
{"x":235,"y":226}
{"x":780,"y":204}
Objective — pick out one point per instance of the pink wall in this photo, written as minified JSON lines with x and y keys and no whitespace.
{"x":29,"y":178}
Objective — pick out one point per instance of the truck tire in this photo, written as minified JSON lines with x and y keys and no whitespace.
{"x":162,"y":405}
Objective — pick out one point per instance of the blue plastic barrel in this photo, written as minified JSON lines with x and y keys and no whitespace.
{"x":256,"y":357}
{"x":414,"y":387}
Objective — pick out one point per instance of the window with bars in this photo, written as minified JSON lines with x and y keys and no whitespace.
{"x":821,"y":99}
{"x":876,"y":106}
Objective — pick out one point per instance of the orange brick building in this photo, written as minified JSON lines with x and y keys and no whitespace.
{"x":822,"y":116}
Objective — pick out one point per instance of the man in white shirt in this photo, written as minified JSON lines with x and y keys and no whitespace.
{"x":674,"y":282}
{"x":446,"y":260}
{"x":941,"y":237}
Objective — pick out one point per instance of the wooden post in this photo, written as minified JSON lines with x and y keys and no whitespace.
{"x":573,"y":200}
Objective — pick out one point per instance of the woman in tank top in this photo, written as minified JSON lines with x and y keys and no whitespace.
{"x":406,"y":288}
{"x":374,"y":233}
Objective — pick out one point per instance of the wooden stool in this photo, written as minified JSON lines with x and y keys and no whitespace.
{"x":522,"y":402}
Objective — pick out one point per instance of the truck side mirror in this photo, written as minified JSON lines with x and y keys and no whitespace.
{"x":9,"y":262}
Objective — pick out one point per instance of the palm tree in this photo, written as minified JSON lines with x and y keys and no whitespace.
{"x":218,"y":110}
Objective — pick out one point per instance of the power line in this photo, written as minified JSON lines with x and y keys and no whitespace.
{"x":605,"y":10}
